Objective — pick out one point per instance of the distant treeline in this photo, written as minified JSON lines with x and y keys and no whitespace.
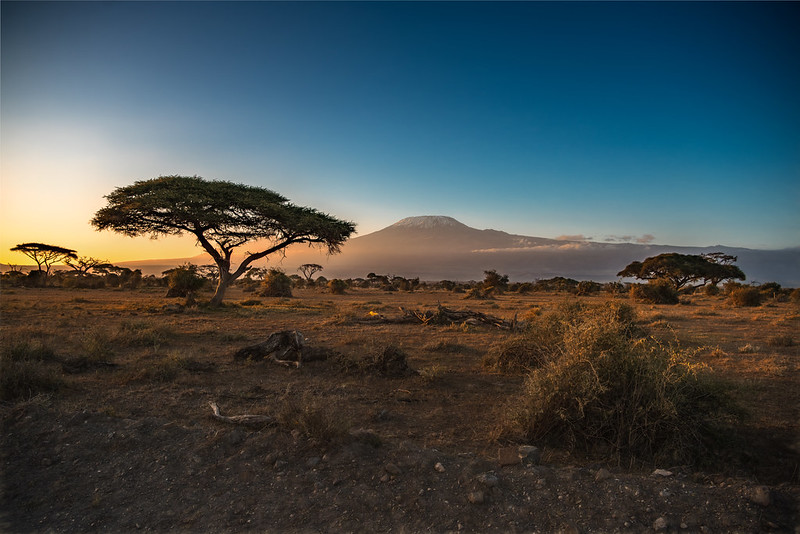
{"x":189,"y":279}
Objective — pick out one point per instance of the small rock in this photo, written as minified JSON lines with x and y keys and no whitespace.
{"x":660,"y":524}
{"x":508,"y":456}
{"x":476,"y":497}
{"x":439,"y":467}
{"x":392,"y":469}
{"x":760,"y":495}
{"x":662,"y":473}
{"x":313,"y":462}
{"x":529,"y":454}
{"x":385,"y":478}
{"x":488,"y":479}
{"x":602,"y":474}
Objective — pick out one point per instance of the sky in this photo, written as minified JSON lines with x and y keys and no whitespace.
{"x":674,"y":123}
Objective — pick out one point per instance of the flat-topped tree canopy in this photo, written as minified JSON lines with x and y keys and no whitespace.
{"x":222,"y":216}
{"x":44,"y":254}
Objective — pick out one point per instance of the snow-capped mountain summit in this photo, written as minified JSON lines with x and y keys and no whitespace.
{"x":428,"y":222}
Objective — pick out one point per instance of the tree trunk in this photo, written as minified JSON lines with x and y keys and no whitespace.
{"x":225,"y":280}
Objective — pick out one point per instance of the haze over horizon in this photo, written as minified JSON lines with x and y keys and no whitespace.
{"x":669,"y":123}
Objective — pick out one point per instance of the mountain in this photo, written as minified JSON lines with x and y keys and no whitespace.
{"x":442,"y":248}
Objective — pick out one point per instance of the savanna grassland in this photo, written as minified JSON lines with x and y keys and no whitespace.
{"x":106,"y":424}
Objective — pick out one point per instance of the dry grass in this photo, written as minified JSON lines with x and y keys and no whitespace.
{"x":454,"y":402}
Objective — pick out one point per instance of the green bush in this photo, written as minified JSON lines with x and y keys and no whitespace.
{"x":655,"y":292}
{"x":276,"y":284}
{"x":745,"y":297}
{"x":337,"y":287}
{"x":184,"y":280}
{"x":610,"y":391}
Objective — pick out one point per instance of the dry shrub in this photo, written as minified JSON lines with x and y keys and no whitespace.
{"x":25,"y":371}
{"x":159,"y":369}
{"x":781,"y":341}
{"x":388,"y":362}
{"x":142,"y":333}
{"x":607,"y":390}
{"x":98,"y":344}
{"x":655,"y":292}
{"x":276,"y":284}
{"x":794,"y":296}
{"x":544,"y":340}
{"x":712,"y":290}
{"x":337,"y":287}
{"x":745,"y":297}
{"x":449,"y":347}
{"x":312,"y":417}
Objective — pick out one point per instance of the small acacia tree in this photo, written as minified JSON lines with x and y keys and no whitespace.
{"x":308,"y":270}
{"x":222,"y":216}
{"x":45,"y":255}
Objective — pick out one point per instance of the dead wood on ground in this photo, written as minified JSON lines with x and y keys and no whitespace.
{"x":240,"y":419}
{"x":286,"y":347}
{"x":443,"y":316}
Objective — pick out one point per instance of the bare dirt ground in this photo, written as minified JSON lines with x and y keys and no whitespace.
{"x":134,"y":447}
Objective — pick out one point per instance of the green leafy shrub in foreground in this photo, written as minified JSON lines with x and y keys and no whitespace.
{"x":608,"y":392}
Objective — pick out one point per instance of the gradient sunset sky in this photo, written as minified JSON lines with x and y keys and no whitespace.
{"x":672,"y":122}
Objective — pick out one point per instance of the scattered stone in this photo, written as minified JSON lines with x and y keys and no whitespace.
{"x":760,"y":495}
{"x":392,"y":469}
{"x":529,"y":455}
{"x":476,"y":497}
{"x":508,"y":456}
{"x":662,"y":473}
{"x":660,"y":524}
{"x":313,"y":462}
{"x":602,"y":474}
{"x":488,"y":479}
{"x":439,"y":467}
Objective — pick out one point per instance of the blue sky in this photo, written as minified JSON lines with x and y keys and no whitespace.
{"x":603,"y":120}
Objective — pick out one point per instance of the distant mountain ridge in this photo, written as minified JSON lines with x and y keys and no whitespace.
{"x":438,"y":247}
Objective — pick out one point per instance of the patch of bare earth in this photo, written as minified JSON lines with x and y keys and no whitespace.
{"x":129,"y":442}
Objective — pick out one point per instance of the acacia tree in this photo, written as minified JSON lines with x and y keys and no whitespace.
{"x":308,"y":270}
{"x":681,"y":269}
{"x":84,"y":264}
{"x":222,"y":216}
{"x":46,"y":255}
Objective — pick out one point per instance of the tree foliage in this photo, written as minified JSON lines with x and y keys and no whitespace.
{"x":46,"y":255}
{"x":308,"y":270}
{"x":222,"y":216}
{"x":683,"y":269}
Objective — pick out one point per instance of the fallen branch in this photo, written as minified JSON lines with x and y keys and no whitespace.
{"x":444,"y":316}
{"x":287,"y":347}
{"x":249,"y":420}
